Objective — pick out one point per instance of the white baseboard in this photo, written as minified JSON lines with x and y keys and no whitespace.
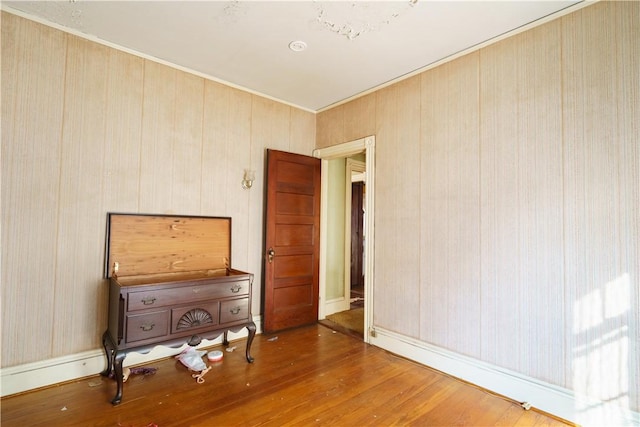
{"x":546,"y":397}
{"x":21,"y":378}
{"x":17,"y":379}
{"x":336,"y":305}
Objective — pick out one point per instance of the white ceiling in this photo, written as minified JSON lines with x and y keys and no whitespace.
{"x":353,"y":46}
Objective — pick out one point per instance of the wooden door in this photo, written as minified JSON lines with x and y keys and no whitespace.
{"x":357,"y":238}
{"x":292,"y":243}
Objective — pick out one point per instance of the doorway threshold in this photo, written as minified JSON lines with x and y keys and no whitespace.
{"x":342,"y":329}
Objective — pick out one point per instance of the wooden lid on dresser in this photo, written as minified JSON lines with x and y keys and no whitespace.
{"x":145,"y":244}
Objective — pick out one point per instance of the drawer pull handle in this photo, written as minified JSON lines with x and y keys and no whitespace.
{"x":235,"y":310}
{"x":148,"y":300}
{"x":147,"y":328}
{"x":236,"y":288}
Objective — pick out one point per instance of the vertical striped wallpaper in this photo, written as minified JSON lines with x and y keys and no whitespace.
{"x":601,"y":180}
{"x":87,"y":130}
{"x":508,"y":202}
{"x":398,"y":214}
{"x":507,"y":205}
{"x":450,"y":194}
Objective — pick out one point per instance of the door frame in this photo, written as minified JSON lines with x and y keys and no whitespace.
{"x":366,"y":145}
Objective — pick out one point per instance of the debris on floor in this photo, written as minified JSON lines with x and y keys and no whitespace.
{"x":192,"y":359}
{"x":273,"y":339}
{"x":141,"y":370}
{"x":95,"y":383}
{"x":215,"y":356}
{"x":199,"y":377}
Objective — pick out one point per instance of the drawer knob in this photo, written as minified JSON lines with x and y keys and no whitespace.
{"x":148,"y":300}
{"x":235,"y":310}
{"x":147,"y":328}
{"x":236,"y":288}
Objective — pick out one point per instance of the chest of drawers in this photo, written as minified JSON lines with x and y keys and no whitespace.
{"x":156,"y":298}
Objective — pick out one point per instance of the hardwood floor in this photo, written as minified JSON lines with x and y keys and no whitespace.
{"x":306,"y":376}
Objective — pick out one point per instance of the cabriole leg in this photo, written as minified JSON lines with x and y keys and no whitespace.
{"x":251,"y":327}
{"x":109,"y":351}
{"x":117,"y":368}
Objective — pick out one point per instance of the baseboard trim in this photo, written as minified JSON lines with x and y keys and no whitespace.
{"x":31,"y":376}
{"x":554,"y":400}
{"x":335,"y":305}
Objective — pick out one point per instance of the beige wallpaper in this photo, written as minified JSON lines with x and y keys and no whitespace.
{"x":87,"y":130}
{"x":397,"y":212}
{"x":507,"y":181}
{"x":522,"y":218}
{"x":450,"y":193}
{"x":601,"y":134}
{"x":508,"y":202}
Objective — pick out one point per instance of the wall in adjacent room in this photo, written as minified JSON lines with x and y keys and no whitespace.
{"x":335,"y":261}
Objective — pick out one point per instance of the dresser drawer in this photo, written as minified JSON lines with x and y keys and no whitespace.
{"x":234,"y":310}
{"x":194,"y":317}
{"x":142,"y":300}
{"x":146,"y":326}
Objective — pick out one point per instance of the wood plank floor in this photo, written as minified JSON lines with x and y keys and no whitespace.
{"x":307,"y":376}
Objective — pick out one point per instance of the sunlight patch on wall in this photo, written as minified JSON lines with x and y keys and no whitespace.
{"x":601,"y":355}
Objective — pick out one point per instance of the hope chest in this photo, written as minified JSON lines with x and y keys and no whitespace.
{"x":171,"y":283}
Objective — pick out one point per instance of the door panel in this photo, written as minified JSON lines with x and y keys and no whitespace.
{"x":357,"y":238}
{"x":294,"y":204}
{"x":298,"y":296}
{"x":296,"y":174}
{"x":294,"y":235}
{"x":292,"y":242}
{"x":293,"y":266}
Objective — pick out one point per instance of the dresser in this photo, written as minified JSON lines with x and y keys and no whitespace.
{"x":171,"y":283}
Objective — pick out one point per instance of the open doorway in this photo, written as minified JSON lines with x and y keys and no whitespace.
{"x":349,"y":218}
{"x":354,"y":162}
{"x":355,"y":235}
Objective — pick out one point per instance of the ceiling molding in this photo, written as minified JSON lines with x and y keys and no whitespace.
{"x":142,"y":55}
{"x":539,"y":22}
{"x":314,"y":82}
